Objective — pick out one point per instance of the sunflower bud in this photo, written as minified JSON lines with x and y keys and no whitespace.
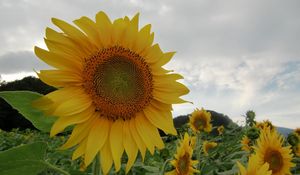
{"x":253,"y":133}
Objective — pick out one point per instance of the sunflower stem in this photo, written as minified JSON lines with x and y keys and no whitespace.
{"x":199,"y":149}
{"x":96,"y":166}
{"x":162,"y":172}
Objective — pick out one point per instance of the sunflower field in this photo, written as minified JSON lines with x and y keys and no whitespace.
{"x":111,"y":113}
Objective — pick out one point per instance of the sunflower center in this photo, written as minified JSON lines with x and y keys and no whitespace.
{"x":199,"y":124}
{"x":119,"y":82}
{"x":183,"y":165}
{"x":275,"y":160}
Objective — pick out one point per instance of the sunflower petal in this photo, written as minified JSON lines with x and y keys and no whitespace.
{"x":80,"y":150}
{"x":106,"y":159}
{"x":142,"y":40}
{"x":60,"y":78}
{"x":161,"y":119}
{"x":148,"y":133}
{"x":57,"y":60}
{"x":129,"y":145}
{"x":136,"y":137}
{"x":153,"y":54}
{"x":165,"y":58}
{"x":119,"y":27}
{"x":90,"y":28}
{"x":63,"y":122}
{"x":168,"y":98}
{"x":96,"y":139}
{"x":104,"y":27}
{"x":116,"y":142}
{"x":79,"y":133}
{"x":131,"y":32}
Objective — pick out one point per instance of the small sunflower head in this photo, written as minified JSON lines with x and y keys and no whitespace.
{"x":200,"y":121}
{"x":207,"y":146}
{"x":220,"y":129}
{"x":183,"y":162}
{"x":293,"y":139}
{"x":246,"y":144}
{"x":253,"y":133}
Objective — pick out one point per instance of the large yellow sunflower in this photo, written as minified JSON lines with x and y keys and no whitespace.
{"x":183,"y":163}
{"x":208,"y":146}
{"x":111,"y":85}
{"x":270,"y":149}
{"x":254,"y":168}
{"x":200,"y":121}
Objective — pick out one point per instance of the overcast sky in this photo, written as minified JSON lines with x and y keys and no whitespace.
{"x":234,"y":55}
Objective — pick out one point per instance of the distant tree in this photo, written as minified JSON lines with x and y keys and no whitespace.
{"x":250,"y":118}
{"x":11,"y":118}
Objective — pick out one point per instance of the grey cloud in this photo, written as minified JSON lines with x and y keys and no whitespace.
{"x":22,"y":61}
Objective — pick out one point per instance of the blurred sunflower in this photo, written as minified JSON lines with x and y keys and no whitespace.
{"x":208,"y":146}
{"x":183,"y":163}
{"x":266,"y":124}
{"x":200,"y":121}
{"x":220,"y":129}
{"x":254,"y":168}
{"x":246,"y":144}
{"x":269,"y":150}
{"x":111,"y":85}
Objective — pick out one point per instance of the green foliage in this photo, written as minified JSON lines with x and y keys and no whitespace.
{"x":250,"y":118}
{"x":22,"y":100}
{"x":26,"y":159}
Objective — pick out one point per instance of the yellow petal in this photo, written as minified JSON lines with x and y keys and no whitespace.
{"x":161,"y":119}
{"x":161,"y":106}
{"x":138,"y":140}
{"x":170,"y":86}
{"x":60,"y":78}
{"x":63,"y":122}
{"x":153,"y":54}
{"x":96,"y":139}
{"x":167,"y":98}
{"x":142,"y":42}
{"x":157,"y":70}
{"x":79,"y":132}
{"x":76,"y":104}
{"x":90,"y":28}
{"x":105,"y":27}
{"x":57,"y":60}
{"x":116,"y":142}
{"x":131,"y":32}
{"x":73,"y":33}
{"x":65,"y":50}
{"x":129,"y":145}
{"x":80,"y":150}
{"x":165,"y":58}
{"x":119,"y":27}
{"x":148,"y":133}
{"x":106,"y":158}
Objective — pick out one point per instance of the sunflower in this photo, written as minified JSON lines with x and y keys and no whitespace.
{"x":111,"y":86}
{"x":183,"y":163}
{"x":246,"y":144}
{"x":266,"y":124}
{"x":220,"y":129}
{"x":253,"y":168}
{"x":208,"y":146}
{"x":269,"y":150}
{"x":200,"y":120}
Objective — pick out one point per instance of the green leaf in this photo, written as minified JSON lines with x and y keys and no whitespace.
{"x":21,"y":101}
{"x":26,"y":159}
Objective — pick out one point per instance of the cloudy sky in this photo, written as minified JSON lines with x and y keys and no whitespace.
{"x":234,"y":55}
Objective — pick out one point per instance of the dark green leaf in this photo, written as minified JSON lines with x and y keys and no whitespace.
{"x":21,"y":101}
